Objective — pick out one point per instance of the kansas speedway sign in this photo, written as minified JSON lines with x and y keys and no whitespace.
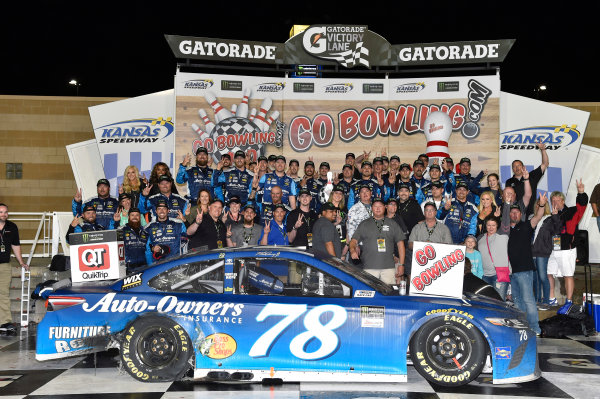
{"x":348,"y":46}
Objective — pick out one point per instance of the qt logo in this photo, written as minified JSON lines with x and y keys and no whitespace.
{"x":93,"y":258}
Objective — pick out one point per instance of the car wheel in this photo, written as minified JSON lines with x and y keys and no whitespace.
{"x":448,"y":351}
{"x":155,"y":349}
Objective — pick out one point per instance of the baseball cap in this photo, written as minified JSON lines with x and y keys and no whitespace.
{"x":235,"y":200}
{"x":294,"y":161}
{"x":123,"y":196}
{"x":304,"y":191}
{"x":201,"y":149}
{"x":515,"y":206}
{"x":429,"y":203}
{"x":89,"y":208}
{"x":437,"y":184}
{"x":338,"y":187}
{"x":307,"y":163}
{"x":418,"y":162}
{"x":396,"y":157}
{"x":280,"y":157}
{"x":460,"y":184}
{"x":328,"y":206}
{"x":162,"y":203}
{"x":272,"y":158}
{"x":164,"y":178}
{"x":350,"y":154}
{"x":378,"y":199}
{"x":404,"y":165}
{"x":392,"y":199}
{"x":449,"y":160}
{"x":365,"y":162}
{"x":136,"y":210}
{"x":262,"y":158}
{"x":240,"y":153}
{"x":226,"y":156}
{"x":423,"y":156}
{"x":435,"y":166}
{"x":361,"y":186}
{"x":385,"y":158}
{"x":103,"y":181}
{"x":467,"y":160}
{"x":251,"y":206}
{"x":280,"y":206}
{"x":347,"y":166}
{"x":326,"y":164}
{"x":403,"y":185}
{"x":377,"y":160}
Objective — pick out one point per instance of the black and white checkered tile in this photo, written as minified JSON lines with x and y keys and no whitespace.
{"x":571,"y":369}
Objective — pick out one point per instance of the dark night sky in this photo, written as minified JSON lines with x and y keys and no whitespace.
{"x":117,"y":49}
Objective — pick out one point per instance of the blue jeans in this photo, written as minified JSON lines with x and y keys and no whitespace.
{"x":502,"y":288}
{"x":541,"y":284}
{"x":522,"y":293}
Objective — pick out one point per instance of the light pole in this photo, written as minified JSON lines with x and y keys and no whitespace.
{"x":76,"y":84}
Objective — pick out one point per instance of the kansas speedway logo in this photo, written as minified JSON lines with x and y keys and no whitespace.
{"x":199,"y":84}
{"x":554,"y":137}
{"x":410,"y":87}
{"x":135,"y":131}
{"x":271,"y":87}
{"x":339,"y":88}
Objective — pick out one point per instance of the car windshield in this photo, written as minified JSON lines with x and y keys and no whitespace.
{"x":361,"y":275}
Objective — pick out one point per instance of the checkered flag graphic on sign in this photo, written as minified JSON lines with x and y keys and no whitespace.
{"x":351,"y":58}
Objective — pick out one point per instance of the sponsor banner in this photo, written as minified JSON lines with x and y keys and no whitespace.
{"x":438,"y":269}
{"x":95,"y":261}
{"x":524,"y":122}
{"x":139,"y":131}
{"x":336,"y":116}
{"x":345,"y":45}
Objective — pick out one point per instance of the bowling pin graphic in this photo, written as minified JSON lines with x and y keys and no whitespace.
{"x":260,"y":119}
{"x":203,"y":135}
{"x":208,"y":125}
{"x":252,"y":114}
{"x":274,"y":116}
{"x":242,"y":110}
{"x":437,"y":129}
{"x":221,"y":113}
{"x":233,"y":109}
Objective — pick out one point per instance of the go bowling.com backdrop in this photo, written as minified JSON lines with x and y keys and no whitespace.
{"x":326,"y":118}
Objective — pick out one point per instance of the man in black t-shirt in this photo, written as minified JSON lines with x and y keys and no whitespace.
{"x":326,"y":239}
{"x":521,"y":261}
{"x":517,"y":181}
{"x":9,"y":241}
{"x":300,"y":221}
{"x":208,"y":231}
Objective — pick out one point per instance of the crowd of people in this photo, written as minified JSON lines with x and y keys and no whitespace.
{"x":370,"y":214}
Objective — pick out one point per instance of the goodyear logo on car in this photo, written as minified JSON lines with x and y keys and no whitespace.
{"x":554,"y":137}
{"x":503,"y":352}
{"x":147,"y":130}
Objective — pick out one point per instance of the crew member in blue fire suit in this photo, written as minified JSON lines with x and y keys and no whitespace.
{"x":459,"y":214}
{"x":197,"y":177}
{"x":164,"y":235}
{"x":103,"y":203}
{"x":134,"y":241}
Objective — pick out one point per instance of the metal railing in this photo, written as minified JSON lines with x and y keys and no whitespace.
{"x":43,"y":236}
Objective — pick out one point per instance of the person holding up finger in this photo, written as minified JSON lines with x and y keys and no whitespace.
{"x":208,"y":231}
{"x":103,"y":203}
{"x":300,"y":221}
{"x":198,"y":177}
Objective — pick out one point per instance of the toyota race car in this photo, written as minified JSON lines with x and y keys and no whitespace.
{"x":251,"y":314}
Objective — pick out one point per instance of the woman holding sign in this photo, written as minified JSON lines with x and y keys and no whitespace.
{"x":494,"y":254}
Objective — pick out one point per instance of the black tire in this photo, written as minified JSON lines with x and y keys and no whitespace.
{"x":448,"y":351}
{"x":155,"y":349}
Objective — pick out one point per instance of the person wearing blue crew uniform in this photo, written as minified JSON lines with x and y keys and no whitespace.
{"x":280,"y":179}
{"x":312,"y":184}
{"x":386,"y":187}
{"x":103,"y":203}
{"x":134,"y":241}
{"x":274,"y":232}
{"x":164,"y":235}
{"x":366,"y":180}
{"x":197,"y":177}
{"x":266,"y":208}
{"x":473,"y":183}
{"x":236,"y":182}
{"x":417,"y":177}
{"x":404,"y":178}
{"x":435,"y":172}
{"x":346,"y":181}
{"x":175,"y":201}
{"x":87,"y":222}
{"x":459,"y":214}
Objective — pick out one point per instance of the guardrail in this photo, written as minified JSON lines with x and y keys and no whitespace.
{"x":43,"y":236}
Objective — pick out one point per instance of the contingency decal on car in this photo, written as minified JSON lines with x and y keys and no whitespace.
{"x":364,"y":294}
{"x":503,"y":352}
{"x":372,"y":316}
{"x":68,"y":338}
{"x":218,"y":346}
{"x":132,"y":281}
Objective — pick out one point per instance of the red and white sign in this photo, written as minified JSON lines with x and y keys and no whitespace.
{"x":437,"y":269}
{"x":95,"y":262}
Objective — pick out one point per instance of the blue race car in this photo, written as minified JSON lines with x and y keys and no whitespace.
{"x":251,"y":314}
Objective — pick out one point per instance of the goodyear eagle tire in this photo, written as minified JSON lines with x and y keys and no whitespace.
{"x":155,"y":349}
{"x":448,"y":351}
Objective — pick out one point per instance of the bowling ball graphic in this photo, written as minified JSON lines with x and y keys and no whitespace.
{"x":235,"y":126}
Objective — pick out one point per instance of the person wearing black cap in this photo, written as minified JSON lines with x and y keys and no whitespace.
{"x":103,"y":203}
{"x":208,"y":230}
{"x":293,"y":168}
{"x":276,"y":178}
{"x":312,"y":184}
{"x":232,"y":215}
{"x":164,"y":234}
{"x":377,"y":237}
{"x":237,"y":181}
{"x":366,"y":179}
{"x":300,"y":221}
{"x":355,"y":163}
{"x":271,"y":160}
{"x":346,"y":181}
{"x":87,"y":223}
{"x":517,"y":180}
{"x":417,"y":177}
{"x":473,"y":183}
{"x":274,"y":232}
{"x":459,"y":214}
{"x":405,"y":178}
{"x":326,"y":239}
{"x":197,"y":177}
{"x":177,"y":204}
{"x":436,"y":194}
{"x":134,"y":240}
{"x":248,"y":233}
